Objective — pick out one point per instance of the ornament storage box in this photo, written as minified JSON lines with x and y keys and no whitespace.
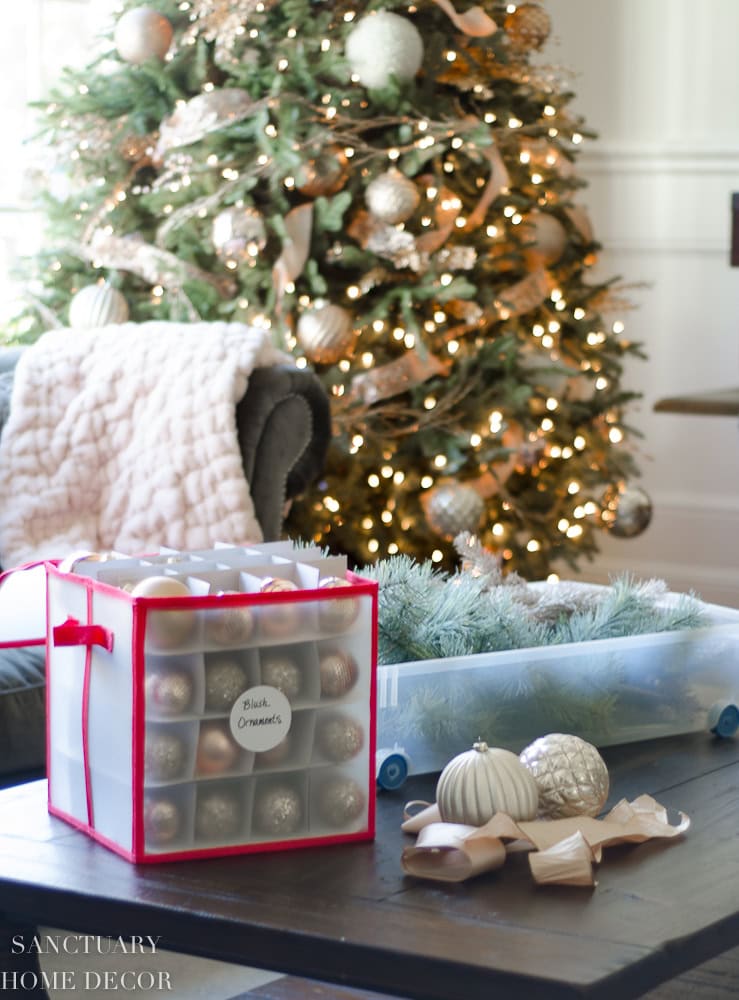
{"x":607,"y":691}
{"x":236,"y":718}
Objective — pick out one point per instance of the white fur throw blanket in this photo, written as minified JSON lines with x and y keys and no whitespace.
{"x":124,"y":437}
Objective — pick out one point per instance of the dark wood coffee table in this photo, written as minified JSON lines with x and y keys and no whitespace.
{"x":348,"y":914}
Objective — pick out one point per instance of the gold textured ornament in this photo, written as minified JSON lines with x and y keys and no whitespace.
{"x":571,"y":776}
{"x":627,"y":510}
{"x":392,"y":197}
{"x":324,"y":175}
{"x":528,"y":27}
{"x":452,"y":508}
{"x":225,"y":679}
{"x":339,"y":673}
{"x":165,"y":755}
{"x":142,"y":34}
{"x":281,"y":672}
{"x":383,"y":45}
{"x":280,"y":620}
{"x":239,"y":234}
{"x":229,"y":626}
{"x":545,"y":238}
{"x":339,"y":737}
{"x":338,"y":615}
{"x":97,"y":305}
{"x":162,"y":820}
{"x":217,"y":750}
{"x":217,"y":813}
{"x":278,"y":811}
{"x":168,"y":691}
{"x":341,"y":801}
{"x":483,"y":781}
{"x":326,"y":334}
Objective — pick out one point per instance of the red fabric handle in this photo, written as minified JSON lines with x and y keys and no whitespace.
{"x":72,"y":633}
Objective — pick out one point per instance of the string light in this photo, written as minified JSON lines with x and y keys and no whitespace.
{"x":427,"y":482}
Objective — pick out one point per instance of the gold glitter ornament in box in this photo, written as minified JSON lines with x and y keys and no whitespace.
{"x":165,"y":755}
{"x":162,"y":820}
{"x":627,"y":510}
{"x":341,"y":801}
{"x":339,"y":737}
{"x":325,"y":334}
{"x":477,"y":784}
{"x":217,"y":750}
{"x":570,"y":775}
{"x":239,"y":234}
{"x":217,"y":813}
{"x":527,"y":27}
{"x":452,"y":508}
{"x":392,"y":197}
{"x":279,"y":620}
{"x":168,"y":691}
{"x":225,"y":679}
{"x":325,"y":174}
{"x":97,"y":305}
{"x":338,"y":615}
{"x":229,"y":626}
{"x":339,"y":673}
{"x":170,"y":628}
{"x":278,"y":811}
{"x":281,"y":672}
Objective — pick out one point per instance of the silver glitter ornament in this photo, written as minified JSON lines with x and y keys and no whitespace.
{"x":281,"y":672}
{"x":217,"y":814}
{"x":341,"y":801}
{"x":339,"y":673}
{"x":239,"y":234}
{"x":339,"y":737}
{"x":278,"y":811}
{"x":168,"y":692}
{"x":392,"y":197}
{"x":217,"y":750}
{"x":570,"y":774}
{"x":229,"y":626}
{"x":452,"y":508}
{"x":627,"y":511}
{"x":162,"y":820}
{"x":325,"y":334}
{"x":165,"y":755}
{"x":337,"y":616}
{"x":225,"y":680}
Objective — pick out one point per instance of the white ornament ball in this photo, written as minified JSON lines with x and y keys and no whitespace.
{"x":325,"y":334}
{"x":97,"y":305}
{"x":483,"y":781}
{"x":141,"y":34}
{"x":570,"y":774}
{"x":165,"y":629}
{"x":384,"y":45}
{"x":392,"y":197}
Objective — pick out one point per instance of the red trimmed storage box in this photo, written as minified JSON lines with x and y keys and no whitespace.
{"x":211,"y":703}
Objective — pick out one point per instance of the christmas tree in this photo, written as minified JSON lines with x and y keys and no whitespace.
{"x":391,"y":189}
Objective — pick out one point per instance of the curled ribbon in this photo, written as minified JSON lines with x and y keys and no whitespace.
{"x":474,"y":22}
{"x":562,"y":851}
{"x":289,"y":265}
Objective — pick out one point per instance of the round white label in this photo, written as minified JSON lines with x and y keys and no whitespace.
{"x":260,"y":718}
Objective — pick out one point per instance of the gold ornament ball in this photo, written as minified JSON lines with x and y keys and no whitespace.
{"x":392,"y":197}
{"x":165,"y":755}
{"x":383,"y":45}
{"x":325,"y":334}
{"x":477,"y":784}
{"x":570,"y":774}
{"x":229,"y":626}
{"x":545,"y":238}
{"x":452,"y":508}
{"x":282,"y":672}
{"x":278,"y":811}
{"x":239,"y":234}
{"x":217,"y":750}
{"x":339,"y":673}
{"x":627,"y":511}
{"x":339,"y":737}
{"x":280,"y":620}
{"x":217,"y":814}
{"x":324,"y":175}
{"x":162,"y":820}
{"x":337,"y":615}
{"x":528,"y":27}
{"x":97,"y":305}
{"x":341,"y":801}
{"x":225,"y":680}
{"x":166,"y":628}
{"x":168,"y":691}
{"x":142,"y":34}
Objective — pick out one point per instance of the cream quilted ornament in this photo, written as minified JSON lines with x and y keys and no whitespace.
{"x":483,"y":781}
{"x":570,"y":774}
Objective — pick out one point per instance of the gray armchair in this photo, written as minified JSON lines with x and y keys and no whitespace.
{"x":284,"y":428}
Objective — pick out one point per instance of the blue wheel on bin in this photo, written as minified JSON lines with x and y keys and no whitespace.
{"x":391,"y":768}
{"x":723,"y":719}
